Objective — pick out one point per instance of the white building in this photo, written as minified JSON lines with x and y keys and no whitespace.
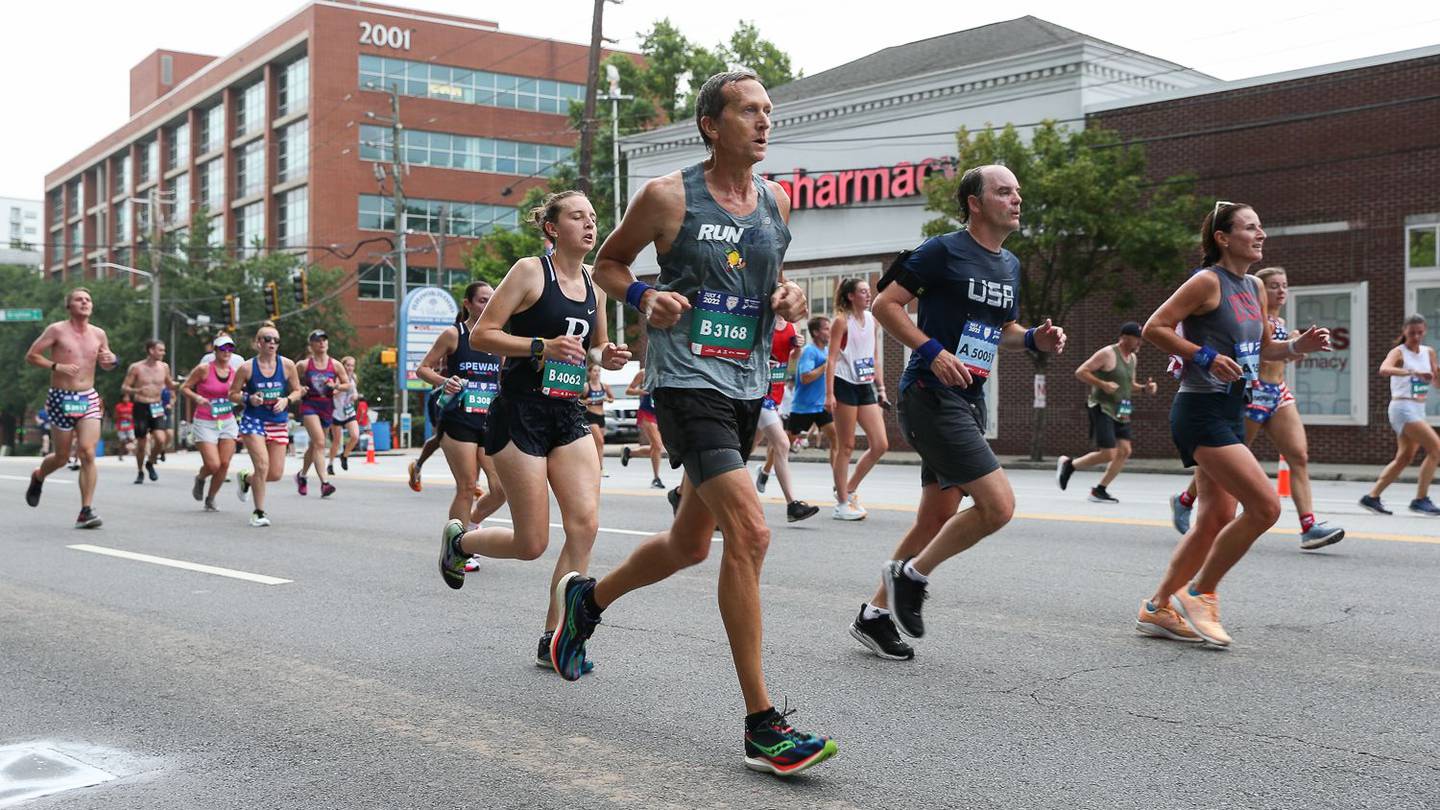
{"x":21,"y":244}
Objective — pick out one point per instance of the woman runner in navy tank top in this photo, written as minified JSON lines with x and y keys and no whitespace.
{"x":266,"y":387}
{"x":548,"y":320}
{"x":468,"y":380}
{"x":1223,"y":312}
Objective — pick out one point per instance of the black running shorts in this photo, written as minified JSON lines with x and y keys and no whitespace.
{"x":708,"y":432}
{"x":856,"y":394}
{"x":948,"y":431}
{"x":1105,"y":431}
{"x":458,"y":430}
{"x":802,"y":422}
{"x":1199,"y":419}
{"x":596,"y":419}
{"x":144,"y":422}
{"x":536,"y":425}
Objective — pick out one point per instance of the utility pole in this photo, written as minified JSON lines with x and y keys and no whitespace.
{"x":155,"y":263}
{"x":592,"y":79}
{"x":440,"y":246}
{"x":397,"y":197}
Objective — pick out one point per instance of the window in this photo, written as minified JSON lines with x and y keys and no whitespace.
{"x":1422,"y":286}
{"x":120,"y":215}
{"x":293,"y":161}
{"x":217,"y":231}
{"x":142,"y":221}
{"x":77,"y":197}
{"x":468,"y":86}
{"x":212,"y":129}
{"x":1420,"y":247}
{"x":250,"y":169}
{"x":152,"y":158}
{"x":250,"y":228}
{"x":377,"y":281}
{"x":177,"y":147}
{"x":293,"y":92}
{"x":120,"y":169}
{"x":461,"y":219}
{"x":445,"y":151}
{"x":212,"y":184}
{"x":77,"y":241}
{"x":1331,"y":388}
{"x":180,"y":209}
{"x":57,"y":206}
{"x":250,"y":112}
{"x":293,"y":228}
{"x":167,"y":69}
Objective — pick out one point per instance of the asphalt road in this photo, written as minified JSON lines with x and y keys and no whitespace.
{"x":363,"y":681}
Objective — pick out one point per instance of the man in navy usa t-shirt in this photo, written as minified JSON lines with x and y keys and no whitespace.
{"x":968,"y":289}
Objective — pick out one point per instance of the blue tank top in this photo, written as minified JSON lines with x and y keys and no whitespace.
{"x":481,"y":371}
{"x":320,"y":384}
{"x":554,"y":314}
{"x":271,"y":388}
{"x":1233,"y":329}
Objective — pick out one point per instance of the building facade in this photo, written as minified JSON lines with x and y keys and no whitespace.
{"x":23,"y":229}
{"x":286,"y":144}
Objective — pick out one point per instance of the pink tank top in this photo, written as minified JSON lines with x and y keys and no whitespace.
{"x":214,"y":390}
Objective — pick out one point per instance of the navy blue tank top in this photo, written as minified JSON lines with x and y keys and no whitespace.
{"x":270,"y":388}
{"x":481,"y":371}
{"x":553,"y":315}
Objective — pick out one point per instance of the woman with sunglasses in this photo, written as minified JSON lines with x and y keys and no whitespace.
{"x":1223,"y":310}
{"x":266,"y":386}
{"x":214,"y":425}
{"x":545,"y":319}
{"x":317,"y":408}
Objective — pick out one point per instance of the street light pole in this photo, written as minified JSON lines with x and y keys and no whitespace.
{"x":154,"y":292}
{"x":614,"y":97}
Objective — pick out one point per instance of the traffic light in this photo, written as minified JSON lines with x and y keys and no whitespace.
{"x":297,"y":281}
{"x":272,"y":299}
{"x":387,"y":357}
{"x":232,"y":312}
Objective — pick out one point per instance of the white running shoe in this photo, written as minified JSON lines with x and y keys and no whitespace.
{"x":844,"y":511}
{"x":258,"y":519}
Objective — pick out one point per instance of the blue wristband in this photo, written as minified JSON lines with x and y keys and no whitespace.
{"x":930,"y":350}
{"x":1203,"y":357}
{"x":635,"y":292}
{"x":1030,"y":340}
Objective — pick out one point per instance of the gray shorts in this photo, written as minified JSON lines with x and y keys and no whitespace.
{"x":948,"y":431}
{"x":1404,"y":411}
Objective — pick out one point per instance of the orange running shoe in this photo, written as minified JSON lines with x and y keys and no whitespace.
{"x":1163,"y":622}
{"x":1202,"y":613}
{"x":414,"y":477}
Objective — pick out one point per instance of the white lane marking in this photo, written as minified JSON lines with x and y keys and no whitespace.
{"x":26,"y":479}
{"x":715,"y":539}
{"x":188,"y":566}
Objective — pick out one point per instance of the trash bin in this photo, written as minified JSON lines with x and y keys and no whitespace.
{"x":381,"y":432}
{"x":99,"y":448}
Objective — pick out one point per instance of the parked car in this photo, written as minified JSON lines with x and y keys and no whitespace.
{"x":620,"y":414}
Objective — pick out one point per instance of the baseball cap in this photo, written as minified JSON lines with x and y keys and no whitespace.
{"x":1130,"y":328}
{"x":319,"y":334}
{"x":222,"y":340}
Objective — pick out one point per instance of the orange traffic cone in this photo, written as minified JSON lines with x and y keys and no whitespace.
{"x":1282,"y":479}
{"x":370,"y":452}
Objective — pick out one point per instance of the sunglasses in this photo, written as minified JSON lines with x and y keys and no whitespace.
{"x":1215,"y":215}
{"x":225,"y":348}
{"x":270,"y":339}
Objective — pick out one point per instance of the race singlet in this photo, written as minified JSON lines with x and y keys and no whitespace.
{"x":478,"y":396}
{"x":978,"y":344}
{"x":865,"y":370}
{"x":1247,"y":354}
{"x":561,"y":380}
{"x":723,"y":325}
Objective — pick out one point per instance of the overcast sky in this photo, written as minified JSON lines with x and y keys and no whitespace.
{"x":69,"y":62}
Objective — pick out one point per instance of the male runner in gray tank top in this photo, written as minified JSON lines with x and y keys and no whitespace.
{"x":720,"y":235}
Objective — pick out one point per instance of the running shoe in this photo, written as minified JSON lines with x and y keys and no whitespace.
{"x":73,"y":465}
{"x":797,"y":511}
{"x":472,"y":565}
{"x":625,"y":456}
{"x":542,"y":655}
{"x":879,"y":636}
{"x":258,"y":519}
{"x":242,"y":490}
{"x":1099,"y":495}
{"x":855,"y":503}
{"x":906,"y":598}
{"x":1424,"y":506}
{"x":1321,"y":535}
{"x":139,"y":477}
{"x":326,"y":489}
{"x":210,"y":505}
{"x":345,"y":461}
{"x":673,"y":496}
{"x":656,"y":483}
{"x":452,"y":561}
{"x":567,"y":646}
{"x":1064,"y":468}
{"x":1374,"y":505}
{"x":1163,"y":622}
{"x":845,"y":511}
{"x":774,"y":746}
{"x":32,"y":492}
{"x":761,"y":479}
{"x":162,"y":458}
{"x":1179,"y":515}
{"x":198,"y":490}
{"x":414,"y":476}
{"x":329,"y":469}
{"x":150,"y":471}
{"x":301,"y":484}
{"x":1202,"y":612}
{"x":87,"y":519}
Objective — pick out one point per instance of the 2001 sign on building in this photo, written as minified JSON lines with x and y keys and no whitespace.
{"x":392,"y":36}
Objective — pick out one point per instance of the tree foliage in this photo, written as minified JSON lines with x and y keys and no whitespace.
{"x":1092,"y":221}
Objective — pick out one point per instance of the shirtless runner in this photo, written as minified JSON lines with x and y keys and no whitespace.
{"x":145,"y":381}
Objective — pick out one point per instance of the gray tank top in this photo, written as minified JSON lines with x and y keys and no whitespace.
{"x":1233,"y":329}
{"x":727,"y":266}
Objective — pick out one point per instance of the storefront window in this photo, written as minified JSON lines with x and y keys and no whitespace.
{"x":1420,"y":243}
{"x":1331,"y":387}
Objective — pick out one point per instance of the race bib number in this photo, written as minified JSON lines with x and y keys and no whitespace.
{"x":1247,"y":354}
{"x":221,"y":408}
{"x":478,"y":396}
{"x":157,"y":410}
{"x":269,"y":395}
{"x":778,"y":372}
{"x":74,"y":404}
{"x":1419,"y":388}
{"x":562,"y":380}
{"x":723,"y":325}
{"x":978,"y":345}
{"x":865,"y":370}
{"x":1122,"y":411}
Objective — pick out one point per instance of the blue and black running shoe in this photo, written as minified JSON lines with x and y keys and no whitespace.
{"x":542,"y":655}
{"x":772,"y":745}
{"x":567,"y":647}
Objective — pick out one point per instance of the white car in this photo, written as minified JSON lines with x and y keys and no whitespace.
{"x":620,"y":414}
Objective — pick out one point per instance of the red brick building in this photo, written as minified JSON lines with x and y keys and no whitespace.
{"x":276,"y":139}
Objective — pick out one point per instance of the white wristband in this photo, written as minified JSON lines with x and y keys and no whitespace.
{"x":1290,"y":347}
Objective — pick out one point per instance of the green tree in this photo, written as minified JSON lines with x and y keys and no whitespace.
{"x":1092,"y":224}
{"x":747,"y":49}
